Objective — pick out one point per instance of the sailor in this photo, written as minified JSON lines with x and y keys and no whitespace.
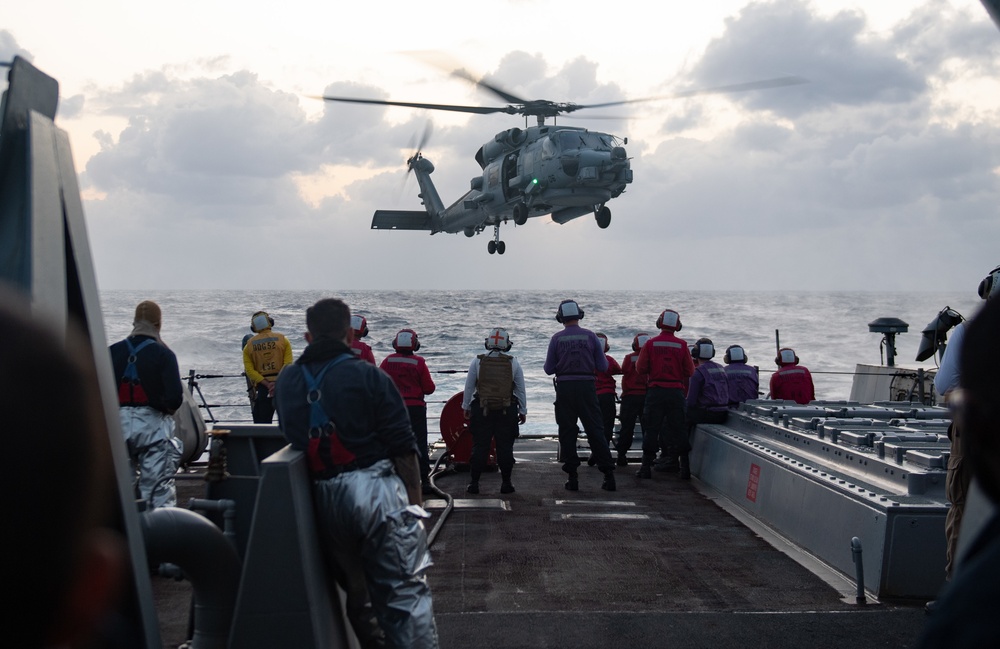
{"x":667,"y":363}
{"x":361,"y":349}
{"x":149,"y":391}
{"x":413,"y":380}
{"x":264,"y":354}
{"x":495,"y":404}
{"x":744,"y":383}
{"x":633,"y":398}
{"x":946,"y":380}
{"x":575,"y":355}
{"x":607,"y":396}
{"x":965,"y":615}
{"x":792,"y":381}
{"x":65,"y":563}
{"x":708,"y":390}
{"x":350,"y":421}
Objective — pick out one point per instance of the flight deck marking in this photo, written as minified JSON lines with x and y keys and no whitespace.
{"x":609,"y":503}
{"x":469,"y":503}
{"x":598,"y":516}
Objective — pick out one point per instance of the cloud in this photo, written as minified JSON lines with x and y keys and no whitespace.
{"x":9,"y":48}
{"x":845,"y":65}
{"x":862,"y":178}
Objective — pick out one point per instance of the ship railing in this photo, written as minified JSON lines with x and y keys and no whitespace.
{"x":194,"y":378}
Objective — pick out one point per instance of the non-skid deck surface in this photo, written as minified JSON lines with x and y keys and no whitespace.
{"x":653,"y":564}
{"x":654,"y":561}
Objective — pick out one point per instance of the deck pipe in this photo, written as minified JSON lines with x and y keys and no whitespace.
{"x":224,"y":505}
{"x":209,"y":561}
{"x":859,"y":568}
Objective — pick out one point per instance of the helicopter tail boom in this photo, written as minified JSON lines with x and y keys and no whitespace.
{"x":402,"y":220}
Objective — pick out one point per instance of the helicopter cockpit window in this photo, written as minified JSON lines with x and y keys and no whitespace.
{"x":550,"y":149}
{"x":583,"y":140}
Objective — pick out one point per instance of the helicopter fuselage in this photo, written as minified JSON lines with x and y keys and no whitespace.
{"x":563,"y":171}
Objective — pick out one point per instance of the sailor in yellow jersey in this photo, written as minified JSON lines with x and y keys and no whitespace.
{"x":263,"y":357}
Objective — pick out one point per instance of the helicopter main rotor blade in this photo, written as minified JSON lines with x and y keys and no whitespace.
{"x":452,"y":67}
{"x":482,"y":83}
{"x":482,"y":110}
{"x":764,"y":84}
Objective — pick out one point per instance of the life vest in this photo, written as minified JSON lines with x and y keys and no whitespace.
{"x":325,"y":453}
{"x":130,"y":390}
{"x":495,"y":382}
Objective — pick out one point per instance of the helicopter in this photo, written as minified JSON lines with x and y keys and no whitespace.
{"x":564,"y":171}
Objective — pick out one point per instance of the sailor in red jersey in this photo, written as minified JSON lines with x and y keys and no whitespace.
{"x":792,"y":381}
{"x":361,"y":349}
{"x":413,"y":380}
{"x":633,"y":398}
{"x":606,"y":392}
{"x":667,"y":362}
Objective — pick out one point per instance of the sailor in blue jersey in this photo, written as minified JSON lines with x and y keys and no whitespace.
{"x":574,"y":355}
{"x":363,"y":459}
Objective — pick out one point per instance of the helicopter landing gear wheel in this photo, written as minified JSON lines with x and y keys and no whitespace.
{"x":603,"y":216}
{"x":496,"y":245}
{"x":520,"y":214}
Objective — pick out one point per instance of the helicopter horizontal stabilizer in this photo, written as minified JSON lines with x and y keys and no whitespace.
{"x":401,"y":220}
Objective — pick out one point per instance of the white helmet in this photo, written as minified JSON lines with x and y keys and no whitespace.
{"x":499,"y":340}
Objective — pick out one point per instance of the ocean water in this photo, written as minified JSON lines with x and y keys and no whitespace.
{"x":829,"y":331}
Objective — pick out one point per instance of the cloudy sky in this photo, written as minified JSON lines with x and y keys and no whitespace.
{"x":205,"y":163}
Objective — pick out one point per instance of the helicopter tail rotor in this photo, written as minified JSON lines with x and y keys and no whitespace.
{"x":417,"y":146}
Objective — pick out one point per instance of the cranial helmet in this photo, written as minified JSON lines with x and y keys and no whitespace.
{"x":406,"y":341}
{"x":990,"y":286}
{"x":607,"y":346}
{"x":669,"y":320}
{"x":360,"y":326}
{"x":569,"y":310}
{"x":786,"y":356}
{"x":499,"y":339}
{"x":260,"y":321}
{"x":735,"y":354}
{"x":639,"y":340}
{"x":703,"y":350}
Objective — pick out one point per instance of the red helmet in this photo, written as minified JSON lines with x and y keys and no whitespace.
{"x":639,"y":340}
{"x":669,"y":320}
{"x":406,"y":341}
{"x":360,"y":326}
{"x":607,"y":346}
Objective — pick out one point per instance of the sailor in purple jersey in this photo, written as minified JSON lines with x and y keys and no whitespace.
{"x":744,"y":382}
{"x":574,"y":355}
{"x":708,"y":389}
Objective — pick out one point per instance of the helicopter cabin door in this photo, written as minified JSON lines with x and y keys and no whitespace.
{"x":508,"y":172}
